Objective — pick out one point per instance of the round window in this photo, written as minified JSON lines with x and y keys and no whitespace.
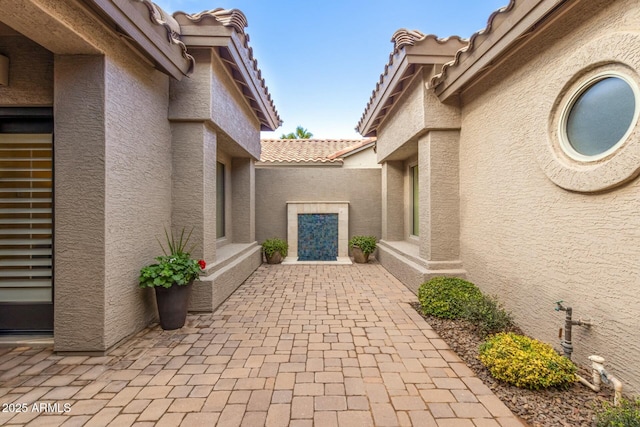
{"x":599,"y":117}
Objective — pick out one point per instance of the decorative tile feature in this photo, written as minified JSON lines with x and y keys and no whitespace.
{"x":317,"y":237}
{"x":324,"y":207}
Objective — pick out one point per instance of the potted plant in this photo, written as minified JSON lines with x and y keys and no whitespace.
{"x":275,"y":250}
{"x":171,"y":277}
{"x":362,"y":247}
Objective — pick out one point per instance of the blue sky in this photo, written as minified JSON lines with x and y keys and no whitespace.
{"x":322,"y":59}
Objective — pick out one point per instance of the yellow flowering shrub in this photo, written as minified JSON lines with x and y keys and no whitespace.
{"x":525,"y":362}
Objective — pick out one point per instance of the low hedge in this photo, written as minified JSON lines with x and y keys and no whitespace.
{"x":447,"y":297}
{"x":627,"y":414}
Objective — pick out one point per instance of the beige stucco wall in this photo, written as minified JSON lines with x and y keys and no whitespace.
{"x":124,"y":171}
{"x":275,"y":186}
{"x":415,"y":112}
{"x":138,"y":190}
{"x":209,"y":94}
{"x":365,"y":159}
{"x":79,"y":180}
{"x":112,"y":171}
{"x":399,"y":129}
{"x":526,"y":239}
{"x":113,"y":197}
{"x":30,"y":73}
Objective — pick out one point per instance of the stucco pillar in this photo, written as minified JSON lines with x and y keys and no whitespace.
{"x":243,"y":200}
{"x":79,"y":163}
{"x":392,"y":201}
{"x":439,"y":196}
{"x":194,"y":185}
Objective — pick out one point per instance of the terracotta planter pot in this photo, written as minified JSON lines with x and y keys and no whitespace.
{"x":173,"y":304}
{"x":276,"y":258}
{"x":359,"y":256}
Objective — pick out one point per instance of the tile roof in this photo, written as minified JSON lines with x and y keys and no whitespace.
{"x":475,"y":40}
{"x":411,"y":49}
{"x":310,"y":150}
{"x":236,"y":20}
{"x":507,"y":26}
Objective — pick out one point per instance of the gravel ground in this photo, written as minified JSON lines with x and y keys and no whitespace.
{"x":543,"y":408}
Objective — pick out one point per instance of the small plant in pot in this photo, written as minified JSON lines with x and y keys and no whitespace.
{"x":275,"y":250}
{"x":172,"y":277}
{"x":362,"y":247}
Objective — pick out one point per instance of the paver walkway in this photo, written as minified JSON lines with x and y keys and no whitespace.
{"x":293,"y":346}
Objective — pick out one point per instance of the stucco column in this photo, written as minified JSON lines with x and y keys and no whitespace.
{"x":392,"y":201}
{"x":79,"y":163}
{"x":439,"y":195}
{"x":243,"y":200}
{"x":194,"y":185}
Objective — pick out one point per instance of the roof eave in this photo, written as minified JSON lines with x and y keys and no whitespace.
{"x":254,"y":81}
{"x":333,"y":163}
{"x":146,"y":26}
{"x":506,"y":29}
{"x":350,"y":151}
{"x":240,"y":63}
{"x":394,"y":74}
{"x":413,"y":50}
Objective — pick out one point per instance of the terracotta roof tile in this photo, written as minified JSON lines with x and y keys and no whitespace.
{"x":475,"y":40}
{"x":159,"y":17}
{"x":235,"y":19}
{"x":429,"y":45}
{"x":309,"y":150}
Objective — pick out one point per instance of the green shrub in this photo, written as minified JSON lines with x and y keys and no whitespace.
{"x":176,"y":265}
{"x":488,"y":315}
{"x":271,"y":246}
{"x":447,"y":296}
{"x":525,"y":362}
{"x":367,"y":244}
{"x":625,"y":415}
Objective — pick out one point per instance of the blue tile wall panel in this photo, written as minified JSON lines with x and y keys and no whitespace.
{"x":317,"y":237}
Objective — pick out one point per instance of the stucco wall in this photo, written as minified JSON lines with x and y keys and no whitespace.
{"x":30,"y":73}
{"x":416,"y":111}
{"x":402,"y":124}
{"x":79,"y":234}
{"x":365,"y":159}
{"x":209,"y":94}
{"x":526,"y":239}
{"x":138,"y":191}
{"x":113,"y":197}
{"x":276,"y":186}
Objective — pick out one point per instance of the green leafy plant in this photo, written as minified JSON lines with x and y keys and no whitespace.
{"x":525,"y":362}
{"x":447,"y":297}
{"x":367,"y":244}
{"x":627,"y":414}
{"x":271,"y":246}
{"x":488,"y":315}
{"x":176,"y":265}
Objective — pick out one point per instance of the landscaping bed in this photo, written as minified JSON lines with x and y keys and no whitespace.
{"x":573,"y":406}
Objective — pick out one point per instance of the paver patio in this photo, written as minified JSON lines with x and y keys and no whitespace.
{"x":298,"y":345}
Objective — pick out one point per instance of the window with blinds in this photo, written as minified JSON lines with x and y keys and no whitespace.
{"x":26,"y":218}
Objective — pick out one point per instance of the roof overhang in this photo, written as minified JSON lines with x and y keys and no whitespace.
{"x":333,"y":163}
{"x":412,"y":51}
{"x":150,"y":30}
{"x":224,"y":31}
{"x":506,"y":31}
{"x":354,"y":149}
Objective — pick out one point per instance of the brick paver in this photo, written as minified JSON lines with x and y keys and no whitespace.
{"x":308,"y":345}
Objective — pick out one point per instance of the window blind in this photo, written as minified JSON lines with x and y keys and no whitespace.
{"x":26,"y":212}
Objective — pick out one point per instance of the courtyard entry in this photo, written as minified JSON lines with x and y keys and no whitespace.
{"x":26,"y":220}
